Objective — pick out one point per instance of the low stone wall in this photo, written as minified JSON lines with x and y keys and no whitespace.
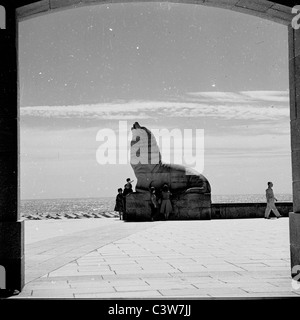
{"x":191,"y":206}
{"x":247,"y":210}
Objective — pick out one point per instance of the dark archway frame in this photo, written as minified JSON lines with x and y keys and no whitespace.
{"x":11,"y":226}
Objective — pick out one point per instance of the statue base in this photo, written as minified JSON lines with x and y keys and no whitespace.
{"x":189,"y":205}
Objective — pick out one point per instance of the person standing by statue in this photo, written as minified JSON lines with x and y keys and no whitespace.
{"x":120,"y":203}
{"x":153,"y":203}
{"x":127,"y":190}
{"x":166,"y":205}
{"x":127,"y":187}
{"x":271,"y":202}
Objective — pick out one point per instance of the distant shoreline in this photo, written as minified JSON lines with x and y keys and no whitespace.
{"x":49,"y":199}
{"x":289,"y":195}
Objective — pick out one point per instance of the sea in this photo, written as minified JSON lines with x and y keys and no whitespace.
{"x":38,"y":209}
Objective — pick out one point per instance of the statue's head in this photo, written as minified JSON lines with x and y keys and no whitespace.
{"x":144,"y":148}
{"x":136,"y":125}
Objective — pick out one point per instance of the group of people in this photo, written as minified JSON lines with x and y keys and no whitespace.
{"x":160,"y":203}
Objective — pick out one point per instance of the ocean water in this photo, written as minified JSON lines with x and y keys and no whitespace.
{"x":63,"y":207}
{"x":104,"y":207}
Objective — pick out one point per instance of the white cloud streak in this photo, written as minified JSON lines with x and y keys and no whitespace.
{"x":246,"y":105}
{"x":242,"y":96}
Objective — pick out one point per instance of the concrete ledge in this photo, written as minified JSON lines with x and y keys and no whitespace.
{"x":295,"y":242}
{"x":246,"y":210}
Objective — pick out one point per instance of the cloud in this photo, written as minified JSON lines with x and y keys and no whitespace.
{"x":247,"y":112}
{"x":246,"y":105}
{"x":241,"y":97}
{"x":273,"y":96}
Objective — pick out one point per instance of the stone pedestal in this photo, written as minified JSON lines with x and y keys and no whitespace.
{"x":138,"y":206}
{"x":186,"y":206}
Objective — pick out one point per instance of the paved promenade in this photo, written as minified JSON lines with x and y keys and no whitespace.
{"x":109,"y":258}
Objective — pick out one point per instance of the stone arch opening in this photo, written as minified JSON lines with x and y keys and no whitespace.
{"x":2,"y":17}
{"x":45,"y":16}
{"x":277,"y":11}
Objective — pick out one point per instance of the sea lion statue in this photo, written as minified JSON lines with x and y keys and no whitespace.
{"x":191,"y":191}
{"x":150,"y":170}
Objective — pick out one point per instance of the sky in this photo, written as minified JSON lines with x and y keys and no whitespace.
{"x":167,"y":66}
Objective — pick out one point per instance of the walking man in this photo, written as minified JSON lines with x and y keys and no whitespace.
{"x":271,"y":202}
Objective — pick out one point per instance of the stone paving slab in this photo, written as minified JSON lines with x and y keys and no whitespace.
{"x":167,"y":259}
{"x":74,"y":239}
